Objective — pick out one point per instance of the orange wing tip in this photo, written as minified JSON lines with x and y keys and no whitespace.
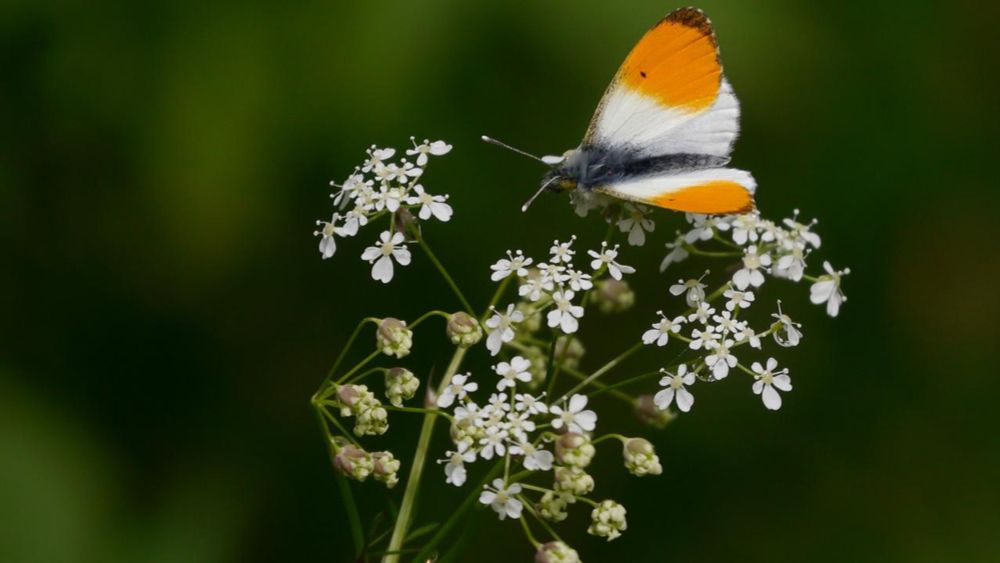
{"x":718,"y":197}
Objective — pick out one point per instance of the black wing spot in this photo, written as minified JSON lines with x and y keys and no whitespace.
{"x":642,"y":73}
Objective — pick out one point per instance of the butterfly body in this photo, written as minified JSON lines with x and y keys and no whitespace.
{"x":663,"y":132}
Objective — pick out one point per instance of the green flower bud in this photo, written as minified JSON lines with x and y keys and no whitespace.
{"x":556,"y":552}
{"x":574,"y":450}
{"x":607,"y":520}
{"x":573,"y":480}
{"x":393,"y":338}
{"x":640,"y":457}
{"x":400,"y":385}
{"x":384,"y":468}
{"x":463,"y":330}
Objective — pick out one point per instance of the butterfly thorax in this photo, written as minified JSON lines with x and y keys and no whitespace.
{"x":592,"y":166}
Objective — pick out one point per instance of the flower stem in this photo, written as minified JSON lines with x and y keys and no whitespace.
{"x":444,"y":273}
{"x":604,"y":369}
{"x":417,"y":468}
{"x":350,"y":506}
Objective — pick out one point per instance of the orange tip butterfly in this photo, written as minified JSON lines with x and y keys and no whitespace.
{"x":663,"y":132}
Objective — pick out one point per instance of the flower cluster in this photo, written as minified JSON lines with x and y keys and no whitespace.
{"x":384,"y":187}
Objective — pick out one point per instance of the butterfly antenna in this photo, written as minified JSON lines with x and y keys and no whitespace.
{"x":538,"y":193}
{"x":493,"y":141}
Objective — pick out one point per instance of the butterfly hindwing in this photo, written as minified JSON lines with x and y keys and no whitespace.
{"x":711,"y":191}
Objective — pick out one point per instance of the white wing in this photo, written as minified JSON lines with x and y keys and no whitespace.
{"x":713,"y":191}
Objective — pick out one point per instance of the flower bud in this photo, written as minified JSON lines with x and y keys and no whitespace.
{"x":400,"y":385}
{"x":552,"y":505}
{"x":463,"y":330}
{"x":573,"y":480}
{"x":556,"y":552}
{"x":568,"y":352}
{"x":648,"y":413}
{"x":353,"y":462}
{"x":384,"y":468}
{"x":640,"y":457}
{"x":607,"y":520}
{"x":574,"y":450}
{"x":613,"y":296}
{"x":393,"y":338}
{"x":404,"y":219}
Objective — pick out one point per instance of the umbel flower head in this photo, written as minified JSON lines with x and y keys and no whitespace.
{"x":463,"y":330}
{"x":640,"y":457}
{"x":393,"y":338}
{"x":607,"y":520}
{"x":400,"y":385}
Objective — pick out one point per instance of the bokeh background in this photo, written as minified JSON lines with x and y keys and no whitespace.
{"x":166,"y":315}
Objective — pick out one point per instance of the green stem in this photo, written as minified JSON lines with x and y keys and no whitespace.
{"x":342,"y":355}
{"x":527,"y":531}
{"x":444,"y":273}
{"x":360,"y":365}
{"x":710,"y":254}
{"x":351,"y":507}
{"x":417,"y":469}
{"x":604,"y":369}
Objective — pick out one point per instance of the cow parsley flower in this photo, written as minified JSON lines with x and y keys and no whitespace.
{"x":608,"y":257}
{"x":574,"y":417}
{"x":677,"y":254}
{"x":454,"y":470}
{"x":437,"y":148}
{"x":501,"y":327}
{"x":430,"y":205}
{"x":693,"y":290}
{"x":721,"y":360}
{"x":501,"y":498}
{"x":390,"y":247}
{"x":768,"y":382}
{"x":674,"y":389}
{"x":660,"y":332}
{"x":608,"y":520}
{"x":328,"y":242}
{"x":636,"y":223}
{"x":457,"y":388}
{"x":565,"y":314}
{"x":737,"y":299}
{"x":535,"y":458}
{"x":750,"y":273}
{"x":785,"y":331}
{"x":516,"y":263}
{"x":563,"y":251}
{"x":827,"y":290}
{"x":511,"y":373}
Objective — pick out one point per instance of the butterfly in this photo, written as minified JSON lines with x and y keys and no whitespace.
{"x":663,"y":132}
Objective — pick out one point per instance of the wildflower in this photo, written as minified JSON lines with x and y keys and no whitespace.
{"x":613,"y":296}
{"x":563,"y":251}
{"x":607,"y":520}
{"x":529,"y":404}
{"x":354,"y":463}
{"x":636,"y":224}
{"x":573,"y":480}
{"x":370,"y":417}
{"x":768,"y":382}
{"x":702,"y":313}
{"x":753,"y":263}
{"x":519,"y":424}
{"x":565,"y":314}
{"x":400,"y":385}
{"x":328,"y":242}
{"x":535,"y":459}
{"x":677,"y":254}
{"x":721,"y":360}
{"x":660,"y":332}
{"x":463,"y":330}
{"x":704,"y":339}
{"x":384,"y":468}
{"x":802,"y":231}
{"x":454,"y":470}
{"x":501,"y":499}
{"x":578,"y":281}
{"x":511,"y":373}
{"x":493,"y":441}
{"x":791,"y":265}
{"x":785,"y":331}
{"x":457,"y":388}
{"x":501,"y":328}
{"x":556,"y":552}
{"x":744,"y":228}
{"x":574,"y":418}
{"x":737,"y":299}
{"x":674,"y":389}
{"x":827,"y":290}
{"x":389,"y":248}
{"x":747,"y":334}
{"x":569,"y":351}
{"x":376,"y":158}
{"x":726,"y":324}
{"x":516,"y":263}
{"x":393,"y":338}
{"x":437,"y":148}
{"x":574,"y":449}
{"x":607,"y":258}
{"x":552,"y":506}
{"x":640,"y":457}
{"x":694,"y":291}
{"x":430,"y":205}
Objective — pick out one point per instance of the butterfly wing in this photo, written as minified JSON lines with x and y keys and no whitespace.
{"x":669,"y":96}
{"x":712,"y":191}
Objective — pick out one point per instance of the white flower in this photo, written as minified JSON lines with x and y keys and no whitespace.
{"x":529,"y":404}
{"x":511,"y":373}
{"x":694,"y":288}
{"x":457,"y":388}
{"x":376,"y":157}
{"x":745,"y":228}
{"x":328,"y":244}
{"x":563,"y":251}
{"x":787,"y":331}
{"x":502,"y":500}
{"x":606,"y":257}
{"x":748,"y":335}
{"x":660,"y":333}
{"x":437,"y":148}
{"x":565,"y":314}
{"x":390,"y":198}
{"x":793,"y":264}
{"x":454,"y":470}
{"x":704,"y":227}
{"x":535,"y":286}
{"x":516,"y":263}
{"x":390,"y":247}
{"x":753,"y":263}
{"x":704,"y":339}
{"x":583,"y":201}
{"x":574,"y":418}
{"x":635,"y":223}
{"x":518,"y":425}
{"x":535,"y":459}
{"x":354,"y":220}
{"x":827,"y":290}
{"x":430,"y":204}
{"x":768,"y":380}
{"x":802,"y":231}
{"x":702,"y":313}
{"x":501,"y":328}
{"x":673,"y":384}
{"x":578,"y":281}
{"x":677,"y":254}
{"x":720,"y":360}
{"x":736,"y":298}
{"x":493,"y":442}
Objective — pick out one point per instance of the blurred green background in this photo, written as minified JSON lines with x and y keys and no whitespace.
{"x":167,"y":316}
